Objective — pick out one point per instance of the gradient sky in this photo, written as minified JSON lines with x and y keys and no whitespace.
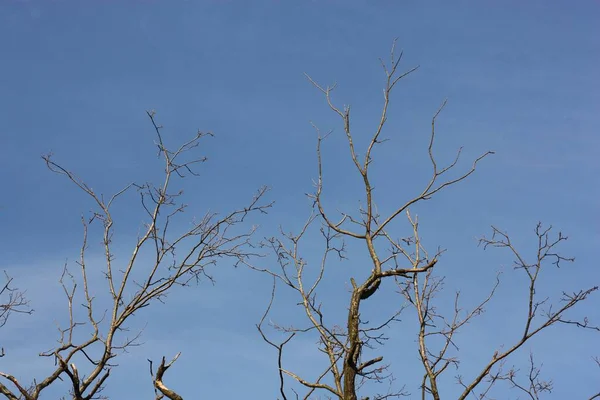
{"x":77,"y":77}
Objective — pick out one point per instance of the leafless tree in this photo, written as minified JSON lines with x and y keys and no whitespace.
{"x":85,"y":356}
{"x":351,"y":342}
{"x":350,"y":350}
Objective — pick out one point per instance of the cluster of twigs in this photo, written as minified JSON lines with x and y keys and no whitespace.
{"x":12,"y":300}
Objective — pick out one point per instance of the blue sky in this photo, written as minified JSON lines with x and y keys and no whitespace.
{"x":77,"y":77}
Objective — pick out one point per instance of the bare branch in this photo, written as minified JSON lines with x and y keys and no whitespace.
{"x":160,"y":389}
{"x":12,"y":301}
{"x":552,"y":314}
{"x":179,"y":259}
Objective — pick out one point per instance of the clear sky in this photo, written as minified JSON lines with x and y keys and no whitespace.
{"x":77,"y":77}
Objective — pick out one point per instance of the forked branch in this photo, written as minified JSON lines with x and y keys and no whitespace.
{"x":160,"y":389}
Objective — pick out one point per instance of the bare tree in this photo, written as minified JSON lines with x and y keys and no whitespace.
{"x":353,"y":364}
{"x":351,"y":355}
{"x":176,"y":259}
